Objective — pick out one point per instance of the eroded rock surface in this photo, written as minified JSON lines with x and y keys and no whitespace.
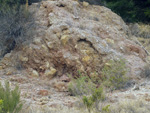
{"x":71,"y":36}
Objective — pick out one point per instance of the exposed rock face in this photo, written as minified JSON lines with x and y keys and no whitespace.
{"x":73,"y":36}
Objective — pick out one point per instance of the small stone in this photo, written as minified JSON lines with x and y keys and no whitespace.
{"x":35,"y":73}
{"x":137,"y":88}
{"x":1,"y":67}
{"x":85,"y":4}
{"x":47,"y":65}
{"x":50,"y":73}
{"x":44,"y":47}
{"x":50,"y":45}
{"x":58,"y":35}
{"x":86,"y":59}
{"x":37,"y":61}
{"x":66,"y":32}
{"x":110,"y":41}
{"x":44,"y":100}
{"x":37,"y":41}
{"x":23,"y":59}
{"x":64,"y":39}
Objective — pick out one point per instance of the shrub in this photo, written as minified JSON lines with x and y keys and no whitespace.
{"x":106,"y":109}
{"x":85,"y":88}
{"x":114,"y":74}
{"x":1,"y":105}
{"x":140,"y":30}
{"x":82,"y":85}
{"x":11,"y":99}
{"x":16,"y":25}
{"x":146,"y":72}
{"x":94,"y":99}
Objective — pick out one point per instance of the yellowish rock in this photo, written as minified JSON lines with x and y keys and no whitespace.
{"x":44,"y":47}
{"x":110,"y":41}
{"x":86,"y":59}
{"x":82,"y":68}
{"x":23,"y":59}
{"x":47,"y":64}
{"x":64,"y":39}
{"x":37,"y":41}
{"x":50,"y":73}
{"x":35,"y":73}
{"x":66,"y":31}
{"x":85,"y":4}
{"x":50,"y":45}
{"x":1,"y":67}
{"x":58,"y":34}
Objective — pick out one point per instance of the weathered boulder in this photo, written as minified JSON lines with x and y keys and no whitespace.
{"x":72,"y":37}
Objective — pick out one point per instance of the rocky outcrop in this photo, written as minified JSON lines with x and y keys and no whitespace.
{"x":73,"y":36}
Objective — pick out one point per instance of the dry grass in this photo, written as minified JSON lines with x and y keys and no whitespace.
{"x":131,"y":106}
{"x":144,"y":31}
{"x":140,"y":30}
{"x":128,"y":106}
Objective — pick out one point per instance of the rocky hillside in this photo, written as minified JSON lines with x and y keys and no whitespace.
{"x":70,"y":36}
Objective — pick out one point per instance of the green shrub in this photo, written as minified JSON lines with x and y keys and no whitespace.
{"x":86,"y":89}
{"x":94,"y":99}
{"x":11,"y":99}
{"x":81,"y":86}
{"x":114,"y":74}
{"x":1,"y":105}
{"x":106,"y":109}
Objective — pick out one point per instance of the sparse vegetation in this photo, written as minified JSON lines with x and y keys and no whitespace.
{"x":140,"y":30}
{"x":9,"y":99}
{"x":114,"y":74}
{"x":91,"y":91}
{"x":130,"y":106}
{"x":94,"y":99}
{"x":82,"y":85}
{"x":1,"y":105}
{"x":87,"y":90}
{"x":16,"y":27}
{"x":146,"y":72}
